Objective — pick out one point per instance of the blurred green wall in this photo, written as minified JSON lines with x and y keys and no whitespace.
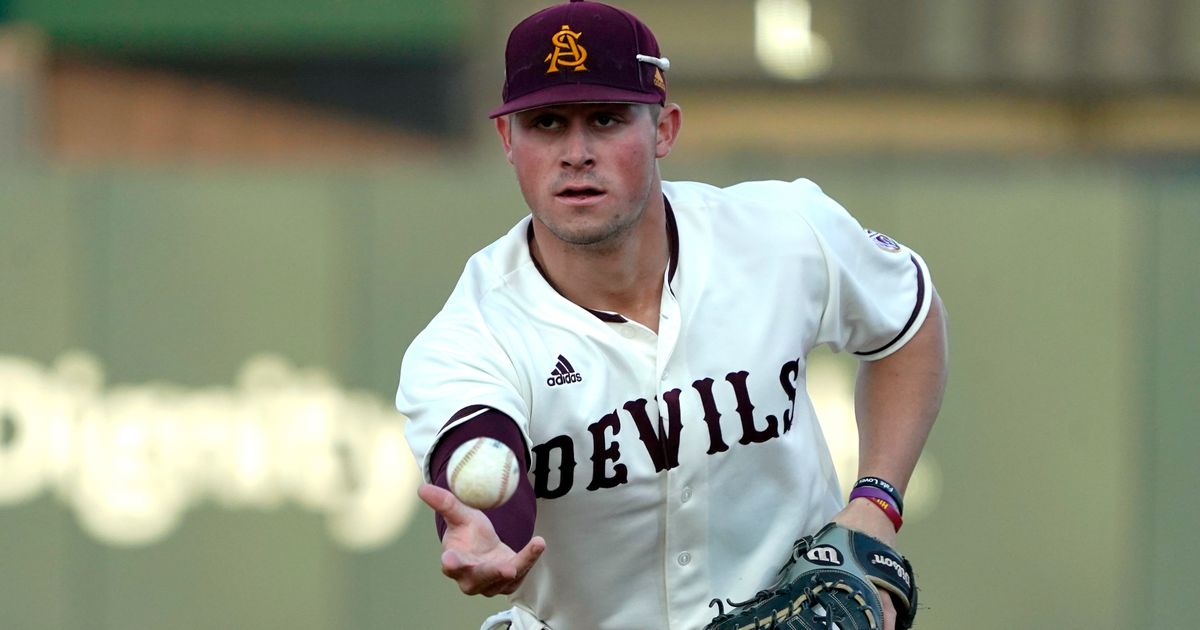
{"x":1170,"y":299}
{"x":1065,"y":435}
{"x":225,"y":26}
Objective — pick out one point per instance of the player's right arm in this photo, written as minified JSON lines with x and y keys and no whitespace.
{"x":457,"y":361}
{"x":486,"y":552}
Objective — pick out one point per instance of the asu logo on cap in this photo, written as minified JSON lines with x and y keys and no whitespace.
{"x":567,"y":51}
{"x":581,"y":52}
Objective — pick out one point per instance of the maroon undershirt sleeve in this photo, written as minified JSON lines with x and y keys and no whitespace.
{"x":513,"y":520}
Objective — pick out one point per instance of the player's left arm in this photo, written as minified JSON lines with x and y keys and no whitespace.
{"x":896,"y":401}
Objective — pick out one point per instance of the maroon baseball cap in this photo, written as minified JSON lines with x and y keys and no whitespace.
{"x":581,"y":52}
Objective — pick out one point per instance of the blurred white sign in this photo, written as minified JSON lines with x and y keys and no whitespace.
{"x":131,"y":460}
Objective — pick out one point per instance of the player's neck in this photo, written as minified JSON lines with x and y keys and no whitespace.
{"x":626,"y":278}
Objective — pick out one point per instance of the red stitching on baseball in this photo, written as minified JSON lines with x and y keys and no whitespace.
{"x":504,"y":478}
{"x":463,"y":462}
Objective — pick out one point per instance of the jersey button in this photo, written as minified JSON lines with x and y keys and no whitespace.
{"x":685,"y":558}
{"x":686,"y":495}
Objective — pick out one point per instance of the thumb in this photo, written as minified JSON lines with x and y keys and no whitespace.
{"x":529,"y":554}
{"x":524,"y":559}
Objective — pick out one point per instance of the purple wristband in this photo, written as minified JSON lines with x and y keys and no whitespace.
{"x":876,"y":482}
{"x":882,"y":500}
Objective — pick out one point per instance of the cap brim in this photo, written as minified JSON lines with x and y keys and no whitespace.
{"x":575,"y":93}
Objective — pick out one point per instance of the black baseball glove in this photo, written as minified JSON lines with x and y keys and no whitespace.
{"x":829,"y":579}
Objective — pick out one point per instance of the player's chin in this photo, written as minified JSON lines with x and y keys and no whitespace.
{"x":578,"y":228}
{"x":592,"y":237}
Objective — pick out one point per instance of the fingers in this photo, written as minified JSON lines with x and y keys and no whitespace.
{"x":484,"y":579}
{"x":513,"y":574}
{"x":492,"y":578}
{"x":435,"y":497}
{"x":470,"y":574}
{"x":485,"y":566}
{"x":479,"y":578}
{"x":445,"y":503}
{"x":454,"y":563}
{"x":889,"y":609}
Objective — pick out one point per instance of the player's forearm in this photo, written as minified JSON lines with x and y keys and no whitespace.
{"x":897,"y":399}
{"x":514,"y":520}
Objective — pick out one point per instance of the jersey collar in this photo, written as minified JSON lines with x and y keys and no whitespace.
{"x":672,"y":263}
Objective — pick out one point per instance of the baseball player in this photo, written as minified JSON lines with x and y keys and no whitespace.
{"x":641,"y":345}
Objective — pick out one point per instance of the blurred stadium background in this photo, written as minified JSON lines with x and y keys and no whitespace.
{"x":222,"y":222}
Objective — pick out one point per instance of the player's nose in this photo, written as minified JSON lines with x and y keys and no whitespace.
{"x":577,"y":150}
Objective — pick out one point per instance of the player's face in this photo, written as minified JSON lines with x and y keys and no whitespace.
{"x":588,"y":171}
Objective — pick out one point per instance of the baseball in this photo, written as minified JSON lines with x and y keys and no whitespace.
{"x":483,"y":473}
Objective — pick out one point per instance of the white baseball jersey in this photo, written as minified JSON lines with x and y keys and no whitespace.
{"x":675,"y":467}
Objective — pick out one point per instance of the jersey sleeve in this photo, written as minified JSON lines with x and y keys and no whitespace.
{"x":454,"y":371}
{"x":879,"y":291}
{"x":514,"y":520}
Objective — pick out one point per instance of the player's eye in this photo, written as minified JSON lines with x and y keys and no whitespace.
{"x":545,"y":122}
{"x":605,"y":120}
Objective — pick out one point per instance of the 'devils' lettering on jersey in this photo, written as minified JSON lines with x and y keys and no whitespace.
{"x":661,"y":442}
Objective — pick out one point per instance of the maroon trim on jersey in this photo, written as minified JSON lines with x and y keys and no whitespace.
{"x":463,"y":413}
{"x":612,"y":318}
{"x":514,"y":520}
{"x":911,"y":318}
{"x":673,"y":240}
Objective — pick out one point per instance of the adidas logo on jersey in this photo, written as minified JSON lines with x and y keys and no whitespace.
{"x":564,"y":373}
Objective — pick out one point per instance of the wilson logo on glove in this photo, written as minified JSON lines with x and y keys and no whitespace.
{"x":890,"y":563}
{"x":825,"y":556}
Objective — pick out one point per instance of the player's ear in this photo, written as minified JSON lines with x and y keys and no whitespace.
{"x":504,"y":128}
{"x":670,"y":119}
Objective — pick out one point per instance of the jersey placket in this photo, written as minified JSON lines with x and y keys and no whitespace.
{"x":683,"y":505}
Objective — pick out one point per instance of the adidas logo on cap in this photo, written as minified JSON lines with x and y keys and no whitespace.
{"x":563,"y":373}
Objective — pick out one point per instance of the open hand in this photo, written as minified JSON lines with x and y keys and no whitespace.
{"x":472,"y":553}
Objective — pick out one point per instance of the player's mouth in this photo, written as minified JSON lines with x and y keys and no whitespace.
{"x":579,"y":195}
